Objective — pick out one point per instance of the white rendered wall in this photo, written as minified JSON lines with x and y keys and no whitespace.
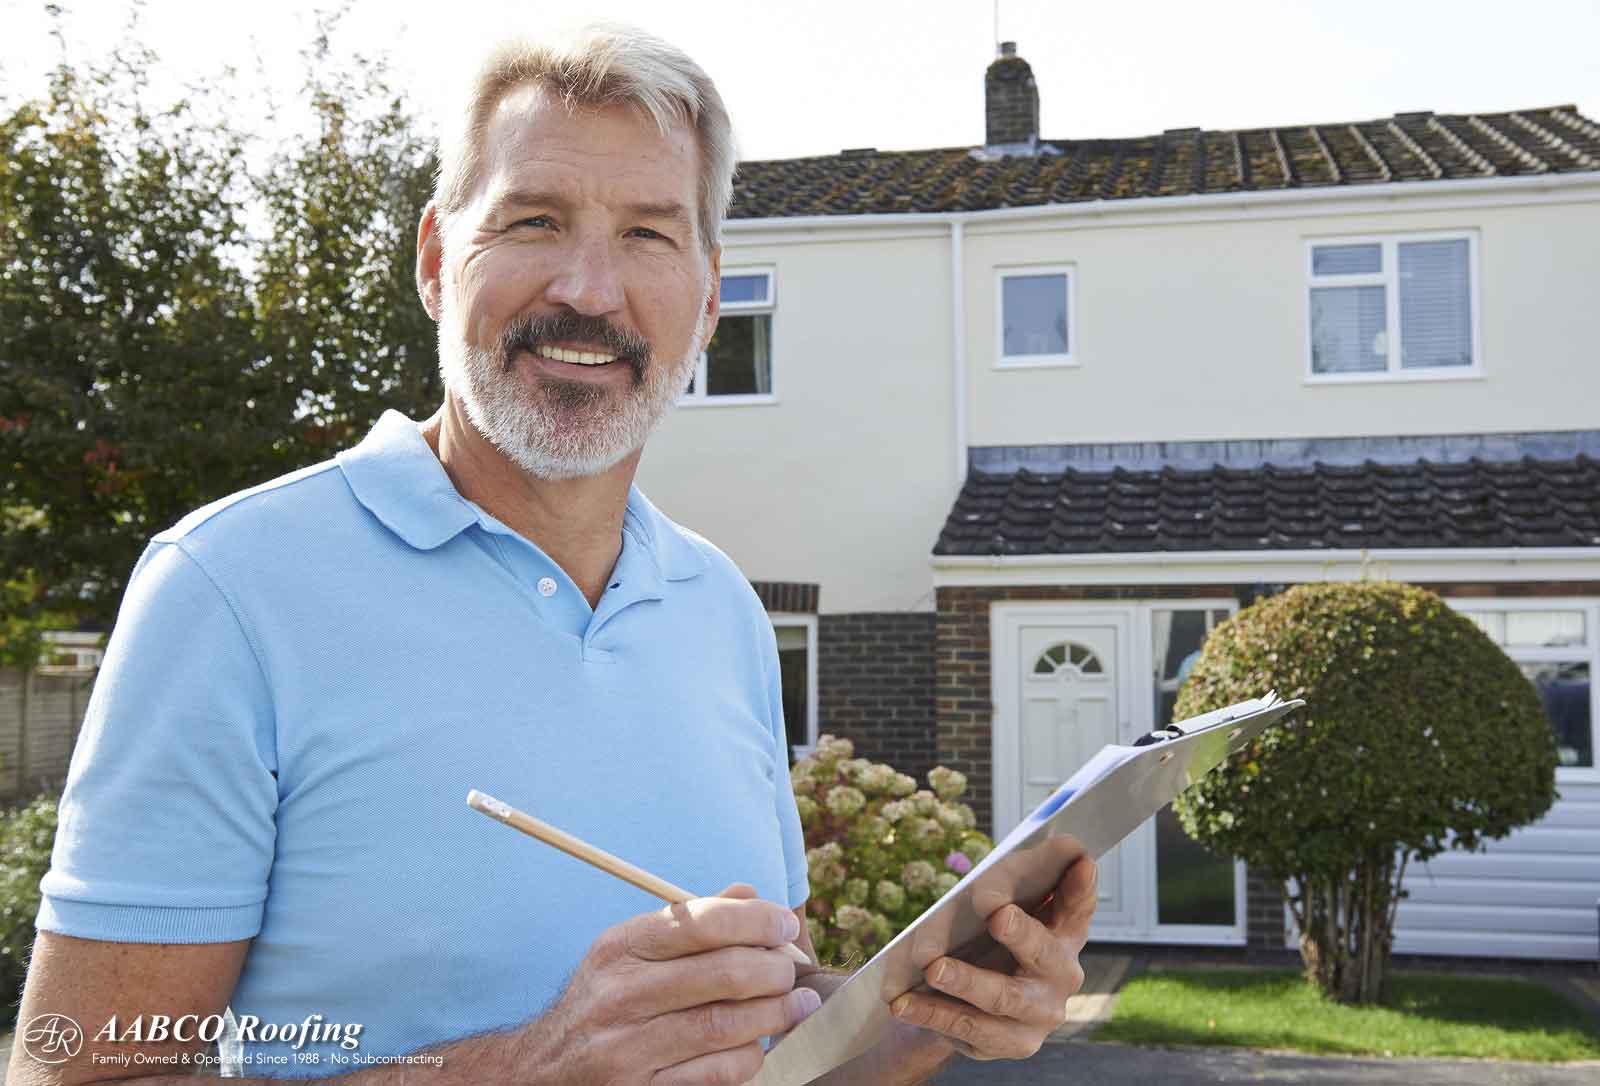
{"x":847,"y":478}
{"x":1197,"y":331}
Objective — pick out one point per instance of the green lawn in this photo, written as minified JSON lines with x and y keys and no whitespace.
{"x":1424,"y":1016}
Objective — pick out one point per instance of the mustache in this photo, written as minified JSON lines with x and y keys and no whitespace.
{"x":531,"y":331}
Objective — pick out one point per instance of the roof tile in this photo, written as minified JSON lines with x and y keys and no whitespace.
{"x":1520,"y":503}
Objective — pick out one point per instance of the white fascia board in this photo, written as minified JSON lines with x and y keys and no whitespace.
{"x":1275,"y":203}
{"x":1276,"y":567}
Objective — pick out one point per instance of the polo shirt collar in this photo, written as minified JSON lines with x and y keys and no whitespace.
{"x":396,"y":476}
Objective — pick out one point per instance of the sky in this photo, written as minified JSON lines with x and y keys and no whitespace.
{"x":808,"y":77}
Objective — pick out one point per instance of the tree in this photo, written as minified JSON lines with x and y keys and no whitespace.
{"x":1418,"y":735}
{"x":336,"y":269}
{"x":129,"y":387}
{"x":155,"y":354}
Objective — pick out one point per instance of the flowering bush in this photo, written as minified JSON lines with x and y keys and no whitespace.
{"x":880,"y":850}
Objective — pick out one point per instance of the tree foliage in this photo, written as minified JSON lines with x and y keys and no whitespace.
{"x":1418,"y":735}
{"x":159,"y":348}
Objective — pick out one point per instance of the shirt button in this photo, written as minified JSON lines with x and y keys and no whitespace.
{"x":547,"y":586}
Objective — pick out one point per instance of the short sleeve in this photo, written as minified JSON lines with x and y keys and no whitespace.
{"x":167,"y":822}
{"x":794,"y":842}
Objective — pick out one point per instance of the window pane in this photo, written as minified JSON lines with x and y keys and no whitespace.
{"x":792,"y":675}
{"x":1564,"y":689}
{"x":1349,"y":332}
{"x":790,"y":637}
{"x":744,"y":288}
{"x":1435,"y":304}
{"x":1544,"y":629}
{"x":1034,"y":309}
{"x":1193,"y":884}
{"x":1347,"y":259}
{"x":739,"y":356}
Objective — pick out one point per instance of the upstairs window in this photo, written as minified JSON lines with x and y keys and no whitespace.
{"x":1037,"y":325}
{"x":736,"y":366}
{"x":1393,"y":308}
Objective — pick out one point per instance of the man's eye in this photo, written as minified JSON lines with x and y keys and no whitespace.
{"x":533,"y":220}
{"x":646,"y":232}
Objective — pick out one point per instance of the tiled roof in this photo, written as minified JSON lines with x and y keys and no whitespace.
{"x":1520,"y":503}
{"x":1406,"y":147}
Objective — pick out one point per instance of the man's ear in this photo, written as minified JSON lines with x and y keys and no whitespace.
{"x":713,"y":299}
{"x":430,"y":260}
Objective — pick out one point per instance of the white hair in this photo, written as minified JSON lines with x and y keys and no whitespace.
{"x":601,"y":64}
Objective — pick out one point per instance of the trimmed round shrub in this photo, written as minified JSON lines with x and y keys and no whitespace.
{"x":1418,"y":735}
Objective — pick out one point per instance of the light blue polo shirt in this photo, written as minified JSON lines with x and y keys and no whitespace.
{"x":307,"y":677}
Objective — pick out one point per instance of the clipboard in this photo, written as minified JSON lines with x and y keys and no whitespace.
{"x":1104,"y":801}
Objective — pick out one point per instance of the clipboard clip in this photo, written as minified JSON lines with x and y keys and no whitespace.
{"x":1160,"y":735}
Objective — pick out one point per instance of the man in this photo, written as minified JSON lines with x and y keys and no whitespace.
{"x":265,"y":809}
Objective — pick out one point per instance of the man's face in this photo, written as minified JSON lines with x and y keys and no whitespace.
{"x":575,"y":289}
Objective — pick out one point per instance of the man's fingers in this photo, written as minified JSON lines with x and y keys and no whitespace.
{"x":1030,"y":1000}
{"x":708,"y":923}
{"x":734,"y":972}
{"x":1037,"y":949}
{"x":731,"y":1066}
{"x":717,"y":1027}
{"x":1076,"y":896}
{"x":985,"y":1036}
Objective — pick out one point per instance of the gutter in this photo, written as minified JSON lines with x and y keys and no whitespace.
{"x":1226,"y":567}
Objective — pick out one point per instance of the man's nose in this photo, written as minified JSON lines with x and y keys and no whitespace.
{"x":588,"y":280}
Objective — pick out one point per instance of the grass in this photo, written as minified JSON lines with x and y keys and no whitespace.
{"x":1438,"y":1016}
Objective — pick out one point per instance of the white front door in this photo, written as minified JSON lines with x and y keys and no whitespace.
{"x":1068,"y":678}
{"x":1068,"y":696}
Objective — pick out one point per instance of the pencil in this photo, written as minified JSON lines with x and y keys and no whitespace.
{"x":614,"y":865}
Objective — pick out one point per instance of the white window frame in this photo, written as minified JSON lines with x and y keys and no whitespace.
{"x":1564,"y":654}
{"x":1003,"y":361}
{"x":1389,"y":279}
{"x":809,"y":624}
{"x":699,"y":397}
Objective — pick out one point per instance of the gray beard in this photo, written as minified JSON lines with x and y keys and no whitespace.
{"x":566,"y":429}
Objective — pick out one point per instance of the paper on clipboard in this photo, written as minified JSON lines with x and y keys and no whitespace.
{"x":1099,"y":805}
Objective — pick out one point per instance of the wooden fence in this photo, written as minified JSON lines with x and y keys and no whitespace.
{"x":40,"y":715}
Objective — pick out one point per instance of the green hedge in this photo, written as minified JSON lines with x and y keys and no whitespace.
{"x":26,"y":836}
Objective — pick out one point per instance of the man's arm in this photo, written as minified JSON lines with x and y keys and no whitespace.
{"x":671,"y":998}
{"x":90,"y":981}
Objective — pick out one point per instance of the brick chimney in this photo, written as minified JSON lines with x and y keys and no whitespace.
{"x":1010,"y":99}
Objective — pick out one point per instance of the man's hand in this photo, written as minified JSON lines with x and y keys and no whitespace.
{"x":1005,"y":1006}
{"x":678,"y":996}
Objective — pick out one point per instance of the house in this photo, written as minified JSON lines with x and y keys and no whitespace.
{"x":999,"y":432}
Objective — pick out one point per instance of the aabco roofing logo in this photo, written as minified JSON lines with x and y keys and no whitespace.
{"x":52,"y":1038}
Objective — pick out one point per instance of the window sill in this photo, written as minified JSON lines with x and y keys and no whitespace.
{"x":1577,"y":774}
{"x":1038,"y":362}
{"x":747,"y":400}
{"x":1389,"y":377}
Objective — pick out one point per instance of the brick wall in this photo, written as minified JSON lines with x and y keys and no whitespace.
{"x":790,"y":597}
{"x":875,"y":686}
{"x":1263,"y":911}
